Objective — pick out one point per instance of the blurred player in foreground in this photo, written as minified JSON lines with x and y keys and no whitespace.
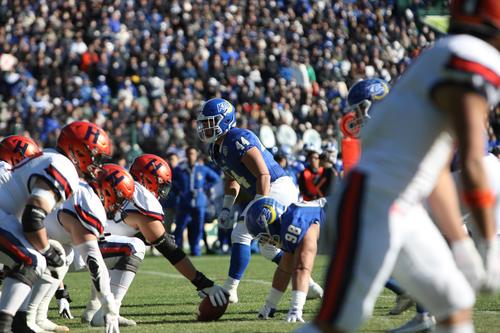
{"x":441,"y":100}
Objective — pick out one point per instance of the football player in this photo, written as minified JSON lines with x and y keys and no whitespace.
{"x":295,"y":229}
{"x":13,"y":149}
{"x":80,"y":223}
{"x":39,"y":184}
{"x":441,"y":100}
{"x":248,"y":167}
{"x":360,"y":98}
{"x":144,"y":214}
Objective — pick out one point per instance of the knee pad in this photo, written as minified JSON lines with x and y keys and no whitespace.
{"x":23,"y":273}
{"x":128,"y":263}
{"x":139,"y":247}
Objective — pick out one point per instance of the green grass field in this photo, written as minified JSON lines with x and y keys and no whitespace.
{"x":160,"y":300}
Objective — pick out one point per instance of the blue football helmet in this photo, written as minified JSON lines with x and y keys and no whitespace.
{"x":361,"y":96}
{"x":216,"y":118}
{"x":263,"y":220}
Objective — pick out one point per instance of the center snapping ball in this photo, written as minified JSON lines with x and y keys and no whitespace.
{"x":208,"y":312}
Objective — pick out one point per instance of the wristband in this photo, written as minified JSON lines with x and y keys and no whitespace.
{"x":44,"y":250}
{"x":479,"y":198}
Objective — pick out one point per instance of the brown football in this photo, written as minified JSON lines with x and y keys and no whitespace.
{"x":208,"y":312}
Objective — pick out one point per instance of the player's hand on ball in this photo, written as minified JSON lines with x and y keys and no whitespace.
{"x":266,"y":312}
{"x":294,"y":315}
{"x":469,"y":261}
{"x":224,"y":219}
{"x":217,"y":295}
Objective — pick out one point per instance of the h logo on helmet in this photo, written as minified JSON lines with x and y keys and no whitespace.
{"x":113,"y":179}
{"x":21,"y":148}
{"x":154,"y":167}
{"x":90,"y":132}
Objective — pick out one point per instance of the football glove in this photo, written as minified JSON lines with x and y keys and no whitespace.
{"x":63,"y":300}
{"x":53,"y":257}
{"x":266,"y":312}
{"x":217,"y":295}
{"x":225,"y":220}
{"x":468,"y":261}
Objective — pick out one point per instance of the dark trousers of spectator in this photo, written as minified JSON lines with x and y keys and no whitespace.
{"x":193,"y":219}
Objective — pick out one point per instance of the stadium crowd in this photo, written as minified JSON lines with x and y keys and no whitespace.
{"x":141,"y":68}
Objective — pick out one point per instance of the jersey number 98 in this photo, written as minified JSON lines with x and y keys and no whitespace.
{"x":292,"y":234}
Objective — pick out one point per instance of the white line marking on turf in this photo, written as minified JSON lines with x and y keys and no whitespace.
{"x":179,"y":276}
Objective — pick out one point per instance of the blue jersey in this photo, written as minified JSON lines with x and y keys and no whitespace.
{"x":295,"y":222}
{"x":228,"y":157}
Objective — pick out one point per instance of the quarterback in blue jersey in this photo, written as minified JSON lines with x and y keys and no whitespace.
{"x":249,"y":168}
{"x":295,"y":229}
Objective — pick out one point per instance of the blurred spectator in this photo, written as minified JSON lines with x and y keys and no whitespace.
{"x":310,"y":177}
{"x":146,"y":66}
{"x":190,"y":179}
{"x":170,"y":202}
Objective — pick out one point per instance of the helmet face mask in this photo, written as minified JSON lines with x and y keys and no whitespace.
{"x":267,"y":238}
{"x":360,"y":111}
{"x":115,"y":187}
{"x":164,"y":189}
{"x":208,"y":127}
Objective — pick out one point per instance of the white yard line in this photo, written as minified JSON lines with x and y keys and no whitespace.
{"x":179,"y":276}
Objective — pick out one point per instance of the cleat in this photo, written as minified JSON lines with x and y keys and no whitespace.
{"x":403,"y":302}
{"x":50,"y":326}
{"x":90,"y":310}
{"x":98,"y":320}
{"x":20,"y":324}
{"x":231,"y":287}
{"x":125,"y":322}
{"x":315,"y":291}
{"x":422,"y":322}
{"x":233,"y":296}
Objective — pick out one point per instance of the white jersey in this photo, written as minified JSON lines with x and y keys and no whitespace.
{"x":54,"y":168}
{"x":408,"y":140}
{"x":85,"y":206}
{"x":144,"y":203}
{"x":5,"y":171}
